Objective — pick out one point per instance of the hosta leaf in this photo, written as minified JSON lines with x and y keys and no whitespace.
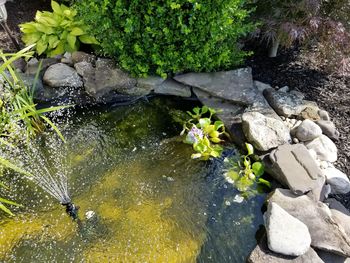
{"x":56,"y":7}
{"x":53,"y":41}
{"x":86,"y":39}
{"x":71,"y":40}
{"x":28,"y":28}
{"x":32,"y":38}
{"x":41,"y":46}
{"x":77,"y":31}
{"x":43,"y":28}
{"x":58,"y":50}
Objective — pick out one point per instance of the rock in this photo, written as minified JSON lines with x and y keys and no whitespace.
{"x":298,"y":94}
{"x":261,"y":254}
{"x":33,"y":65}
{"x":61,"y":75}
{"x":328,"y":129}
{"x":324,"y":115}
{"x":84,"y":69}
{"x":324,"y":147}
{"x":284,"y":89}
{"x":67,"y":59}
{"x":260,"y":86}
{"x":338,"y":181}
{"x":174,"y":88}
{"x":234,"y":85}
{"x":263,"y":132}
{"x":332,"y":258}
{"x":310,"y":113}
{"x":285,"y":234}
{"x":325,"y":232}
{"x":106,"y":78}
{"x":149,"y":83}
{"x":79,"y":56}
{"x":295,"y":140}
{"x":293,"y":166}
{"x":19,"y":64}
{"x":308,"y":130}
{"x":340,"y":214}
{"x":287,"y":104}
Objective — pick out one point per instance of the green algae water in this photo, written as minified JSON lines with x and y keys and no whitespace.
{"x":150,"y":202}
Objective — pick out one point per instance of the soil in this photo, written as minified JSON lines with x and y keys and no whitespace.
{"x":292,"y":68}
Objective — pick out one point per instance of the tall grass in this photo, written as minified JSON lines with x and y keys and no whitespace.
{"x":20,"y":120}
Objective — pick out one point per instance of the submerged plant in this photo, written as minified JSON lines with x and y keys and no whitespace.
{"x":56,"y":32}
{"x":245,"y":171}
{"x":203,"y":133}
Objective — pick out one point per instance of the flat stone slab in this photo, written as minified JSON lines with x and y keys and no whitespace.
{"x":174,"y":88}
{"x":234,"y":85}
{"x":262,"y":254}
{"x":264,"y":132}
{"x":287,"y":104}
{"x":325,"y":233}
{"x":285,"y":234}
{"x":293,"y":166}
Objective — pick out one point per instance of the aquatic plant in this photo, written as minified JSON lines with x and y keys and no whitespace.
{"x":245,"y":171}
{"x":56,"y":32}
{"x":203,"y":133}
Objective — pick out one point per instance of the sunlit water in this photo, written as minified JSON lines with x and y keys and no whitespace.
{"x":152,"y":202}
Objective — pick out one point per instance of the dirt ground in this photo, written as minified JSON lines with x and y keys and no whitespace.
{"x":292,"y":68}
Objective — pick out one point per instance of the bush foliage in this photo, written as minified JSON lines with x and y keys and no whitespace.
{"x":170,"y":36}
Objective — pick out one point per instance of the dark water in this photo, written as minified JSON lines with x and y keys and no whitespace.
{"x":152,"y":203}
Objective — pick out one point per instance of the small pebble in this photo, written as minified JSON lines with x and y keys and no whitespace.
{"x":238,"y":199}
{"x":228,"y":203}
{"x":295,"y":140}
{"x":284,"y":89}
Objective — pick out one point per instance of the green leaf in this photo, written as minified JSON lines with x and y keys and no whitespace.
{"x":31,"y":38}
{"x":204,"y":122}
{"x":250,"y":148}
{"x":205,"y":109}
{"x":41,"y":46}
{"x":56,"y":8}
{"x":43,"y":28}
{"x":77,"y":31}
{"x":258,"y":169}
{"x":71,"y":41}
{"x":14,"y":167}
{"x":233,"y":175}
{"x":218,"y":125}
{"x":5,"y":201}
{"x":5,"y":209}
{"x":264,"y":182}
{"x":53,"y":41}
{"x":86,"y":39}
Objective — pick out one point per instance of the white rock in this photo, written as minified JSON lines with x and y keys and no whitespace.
{"x":338,"y":181}
{"x":324,"y":147}
{"x":286,"y":234}
{"x":264,"y":132}
{"x":313,"y":154}
{"x":308,"y":130}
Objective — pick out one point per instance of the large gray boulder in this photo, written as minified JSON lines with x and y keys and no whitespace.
{"x":325,"y":149}
{"x":233,"y":85}
{"x":262,"y":254}
{"x":307,"y":131}
{"x":325,"y":233}
{"x":61,"y":75}
{"x":174,"y":88}
{"x":293,"y":166}
{"x":287,"y":104}
{"x":338,"y":181}
{"x":264,"y":132}
{"x":285,"y":234}
{"x":340,"y":214}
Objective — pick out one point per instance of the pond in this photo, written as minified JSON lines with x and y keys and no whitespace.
{"x":148,"y":200}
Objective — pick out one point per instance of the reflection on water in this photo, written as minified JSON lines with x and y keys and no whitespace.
{"x":151,"y":202}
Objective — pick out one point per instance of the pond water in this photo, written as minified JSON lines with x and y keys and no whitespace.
{"x":152,"y":203}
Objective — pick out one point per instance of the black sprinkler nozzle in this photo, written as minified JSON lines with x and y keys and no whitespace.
{"x":72,"y":210}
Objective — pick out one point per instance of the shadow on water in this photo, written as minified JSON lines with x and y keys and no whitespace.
{"x":141,"y":197}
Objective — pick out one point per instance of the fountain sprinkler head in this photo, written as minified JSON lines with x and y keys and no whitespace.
{"x":72,"y":210}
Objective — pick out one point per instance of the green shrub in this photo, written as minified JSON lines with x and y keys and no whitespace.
{"x":168,"y":36}
{"x":56,"y":32}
